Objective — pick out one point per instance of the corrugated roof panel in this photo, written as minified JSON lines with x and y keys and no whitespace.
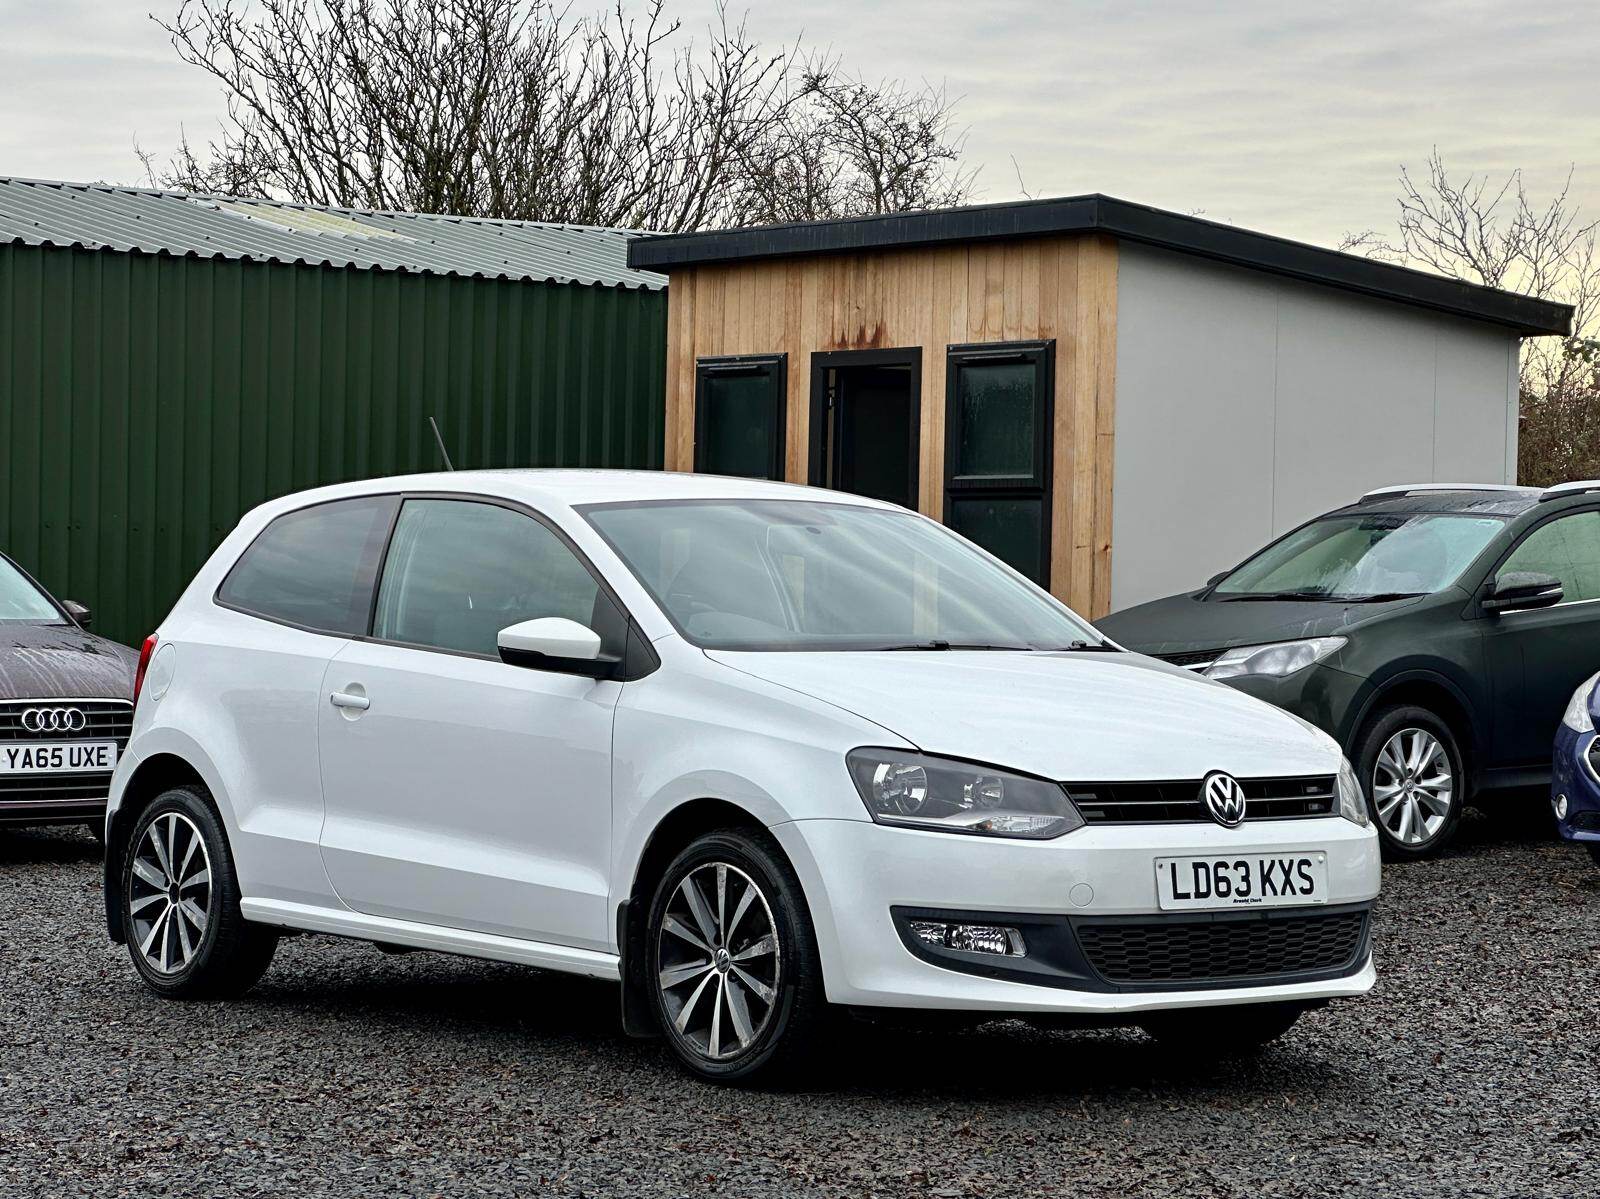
{"x":39,"y":212}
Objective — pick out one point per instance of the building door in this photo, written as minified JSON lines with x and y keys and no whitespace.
{"x":865,"y":423}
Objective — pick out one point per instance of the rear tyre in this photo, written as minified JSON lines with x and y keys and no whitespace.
{"x":1234,"y":1031}
{"x":733,"y":973}
{"x":1412,"y":772}
{"x":180,"y":903}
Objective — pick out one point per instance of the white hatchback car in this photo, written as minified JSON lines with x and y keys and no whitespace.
{"x":751,"y":749}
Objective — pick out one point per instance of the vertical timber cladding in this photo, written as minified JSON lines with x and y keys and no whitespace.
{"x":1061,"y":288}
{"x":147,"y":401}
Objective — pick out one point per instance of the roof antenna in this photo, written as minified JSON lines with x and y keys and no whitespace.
{"x":439,"y":437}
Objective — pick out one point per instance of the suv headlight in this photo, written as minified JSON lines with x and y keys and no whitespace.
{"x":1577,"y":717}
{"x":1352,"y":800}
{"x":915,"y":790}
{"x":1276,"y":660}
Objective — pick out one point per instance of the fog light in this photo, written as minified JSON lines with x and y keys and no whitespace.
{"x":972,"y":938}
{"x":1561,"y":807}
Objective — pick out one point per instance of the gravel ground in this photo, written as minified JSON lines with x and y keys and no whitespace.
{"x":1473,"y":1070}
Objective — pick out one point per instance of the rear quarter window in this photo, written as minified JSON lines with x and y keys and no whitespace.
{"x":314,"y":567}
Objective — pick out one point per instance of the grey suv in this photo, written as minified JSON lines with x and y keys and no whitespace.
{"x":1435,"y":630}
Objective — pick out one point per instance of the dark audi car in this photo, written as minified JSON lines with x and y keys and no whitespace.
{"x":66,"y":706}
{"x":1436,"y":631}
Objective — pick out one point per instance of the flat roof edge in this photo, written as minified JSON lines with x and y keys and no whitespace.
{"x":1526,"y":315}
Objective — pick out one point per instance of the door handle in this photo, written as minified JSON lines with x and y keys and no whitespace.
{"x":349,"y":699}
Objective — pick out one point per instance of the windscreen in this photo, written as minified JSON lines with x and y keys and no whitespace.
{"x":799,"y":575}
{"x":20,"y":600}
{"x":1354,"y":557}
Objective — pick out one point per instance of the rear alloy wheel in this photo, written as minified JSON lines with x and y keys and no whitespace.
{"x":1411,"y":769}
{"x":733,"y":970}
{"x":180,"y":903}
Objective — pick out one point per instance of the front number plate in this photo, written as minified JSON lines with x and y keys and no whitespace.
{"x":1245,"y":881}
{"x":57,"y":757}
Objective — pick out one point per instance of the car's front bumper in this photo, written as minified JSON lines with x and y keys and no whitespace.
{"x":857,"y":875}
{"x":1571,"y":776}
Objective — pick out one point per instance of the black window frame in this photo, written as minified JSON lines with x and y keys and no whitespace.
{"x":639,"y":657}
{"x":1040,"y":484}
{"x":821,"y":464}
{"x":741,"y":364}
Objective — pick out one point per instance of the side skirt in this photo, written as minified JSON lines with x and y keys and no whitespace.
{"x":362,"y":927}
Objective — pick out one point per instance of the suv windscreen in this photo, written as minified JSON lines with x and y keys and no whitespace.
{"x":804,"y":575}
{"x":314,"y":567}
{"x":21,"y":601}
{"x":1356,"y":557}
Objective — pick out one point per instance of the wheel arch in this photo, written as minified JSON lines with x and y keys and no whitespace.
{"x":156,"y":774}
{"x":673,"y":832}
{"x":1437,"y":694}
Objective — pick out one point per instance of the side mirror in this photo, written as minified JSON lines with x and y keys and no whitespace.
{"x":556,"y":644}
{"x":80,"y":614}
{"x":1521,"y":590}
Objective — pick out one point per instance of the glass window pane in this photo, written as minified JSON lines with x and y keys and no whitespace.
{"x":804,"y":574}
{"x":21,"y":600}
{"x":314,"y":567}
{"x":459,"y":572}
{"x":1010,"y":529}
{"x":1569,"y":549}
{"x":738,"y":422}
{"x":995,"y":408}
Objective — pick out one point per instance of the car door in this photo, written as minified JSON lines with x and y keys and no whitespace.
{"x":460,"y":790}
{"x":1538,"y":656}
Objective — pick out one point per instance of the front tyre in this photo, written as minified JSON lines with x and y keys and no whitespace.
{"x":1411,"y":769}
{"x":734,"y":977}
{"x":180,"y":903}
{"x":1238,"y":1030}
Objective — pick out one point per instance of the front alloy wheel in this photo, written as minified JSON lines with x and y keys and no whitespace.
{"x":1411,"y":767}
{"x":1413,"y":787}
{"x":719,"y":961}
{"x":732,"y":966}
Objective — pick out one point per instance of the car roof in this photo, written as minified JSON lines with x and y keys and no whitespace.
{"x":571,"y":486}
{"x":1506,"y":502}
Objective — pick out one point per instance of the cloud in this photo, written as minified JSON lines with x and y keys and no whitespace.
{"x":1292,"y":118}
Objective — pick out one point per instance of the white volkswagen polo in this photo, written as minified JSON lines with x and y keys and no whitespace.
{"x":753,"y":750}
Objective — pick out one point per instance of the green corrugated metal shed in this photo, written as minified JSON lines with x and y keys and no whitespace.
{"x":149,"y":397}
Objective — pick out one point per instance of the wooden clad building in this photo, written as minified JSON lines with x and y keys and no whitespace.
{"x":1106,"y":396}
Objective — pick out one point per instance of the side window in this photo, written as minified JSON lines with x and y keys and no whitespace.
{"x":314,"y":567}
{"x":1569,"y":549}
{"x":459,"y":571}
{"x":739,"y":408}
{"x":999,"y":406}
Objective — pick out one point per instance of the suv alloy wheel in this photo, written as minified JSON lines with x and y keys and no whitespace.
{"x":1411,"y":769}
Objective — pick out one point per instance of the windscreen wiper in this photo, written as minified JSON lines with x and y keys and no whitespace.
{"x":1092,"y":647}
{"x":1383,"y":597}
{"x":1259,"y":596}
{"x":940,"y":644}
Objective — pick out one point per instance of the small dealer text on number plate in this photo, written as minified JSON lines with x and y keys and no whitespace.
{"x":1259,"y":880}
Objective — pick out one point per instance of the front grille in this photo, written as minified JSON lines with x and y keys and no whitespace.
{"x":107,"y":719}
{"x":1593,"y":755}
{"x":1197,"y":659}
{"x":1178,"y":802}
{"x":1223,"y":949}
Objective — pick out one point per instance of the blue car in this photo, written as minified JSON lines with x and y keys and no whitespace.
{"x":1575,"y":773}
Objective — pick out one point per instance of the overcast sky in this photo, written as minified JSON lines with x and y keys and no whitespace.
{"x":1288,"y":117}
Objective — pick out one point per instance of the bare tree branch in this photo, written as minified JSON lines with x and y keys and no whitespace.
{"x":518,"y":109}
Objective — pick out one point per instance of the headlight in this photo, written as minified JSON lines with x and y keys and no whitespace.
{"x":1278,"y":659}
{"x":917,"y":791}
{"x":1577,"y":717}
{"x":1352,"y":801}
